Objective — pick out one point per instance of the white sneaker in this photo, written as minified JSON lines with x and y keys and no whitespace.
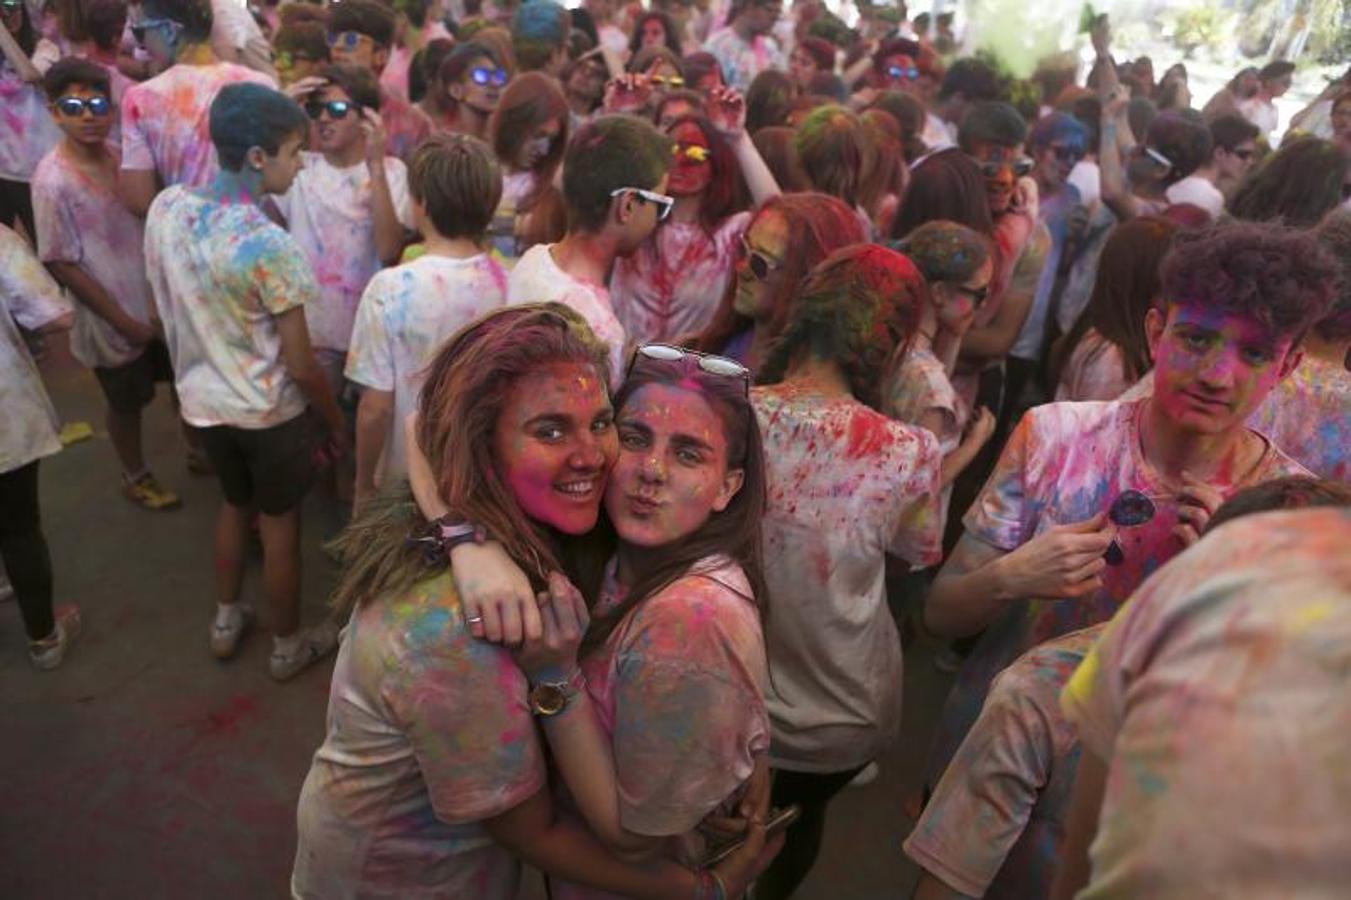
{"x":865,"y":777}
{"x":316,"y":643}
{"x":48,"y":653}
{"x":225,"y":638}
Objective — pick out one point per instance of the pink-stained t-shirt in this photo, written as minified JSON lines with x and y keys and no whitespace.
{"x":328,"y":212}
{"x":220,"y":273}
{"x":166,"y":121}
{"x":537,"y":278}
{"x":1218,"y":697}
{"x":741,"y":61}
{"x":406,"y":126}
{"x":1096,"y":370}
{"x":1308,"y":415}
{"x":994,"y":825}
{"x":847,"y":486}
{"x":920,"y":386}
{"x":31,"y":299}
{"x":679,"y":688}
{"x":81,"y":220}
{"x":429,"y":733}
{"x":1065,"y":463}
{"x":27,"y":131}
{"x":405,"y":315}
{"x":673,"y":283}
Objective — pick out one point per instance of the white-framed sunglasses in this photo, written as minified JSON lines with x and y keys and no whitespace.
{"x":708,"y":362}
{"x":1158,"y":158}
{"x":663,"y":203}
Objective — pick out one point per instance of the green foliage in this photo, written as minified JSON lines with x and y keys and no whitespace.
{"x":1200,"y":27}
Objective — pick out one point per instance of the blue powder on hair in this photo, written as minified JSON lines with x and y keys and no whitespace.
{"x":540,"y":20}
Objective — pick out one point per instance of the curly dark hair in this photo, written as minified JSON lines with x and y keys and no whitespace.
{"x":1298,"y":184}
{"x":1278,"y":276}
{"x":1334,"y":233}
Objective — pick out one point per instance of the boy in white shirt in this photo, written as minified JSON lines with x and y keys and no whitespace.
{"x":614,"y":176}
{"x":230,"y":287}
{"x":409,"y":311}
{"x":95,"y":248}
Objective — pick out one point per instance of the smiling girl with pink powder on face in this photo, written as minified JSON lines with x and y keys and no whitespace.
{"x":431,"y":780}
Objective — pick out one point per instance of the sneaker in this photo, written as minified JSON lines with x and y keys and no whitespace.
{"x":865,"y":777}
{"x":315,"y":644}
{"x":225,"y":638}
{"x":147,"y":493}
{"x":49,"y":652}
{"x":198,"y":463}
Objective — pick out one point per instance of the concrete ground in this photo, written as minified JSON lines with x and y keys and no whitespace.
{"x":144,"y":768}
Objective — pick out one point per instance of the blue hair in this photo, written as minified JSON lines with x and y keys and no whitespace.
{"x":1058,"y":127}
{"x":540,"y":20}
{"x":250,"y":115}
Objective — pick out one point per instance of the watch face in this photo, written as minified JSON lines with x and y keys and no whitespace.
{"x":548,"y":699}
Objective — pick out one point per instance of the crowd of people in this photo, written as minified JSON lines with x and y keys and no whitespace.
{"x":681,"y":366}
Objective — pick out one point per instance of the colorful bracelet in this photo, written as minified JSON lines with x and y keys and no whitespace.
{"x":710,"y":886}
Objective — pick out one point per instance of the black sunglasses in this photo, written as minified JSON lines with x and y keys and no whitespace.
{"x":1067,"y":154}
{"x":713,"y":365}
{"x":74,"y":107}
{"x":977,"y":295}
{"x":1129,"y":509}
{"x":337,"y":109}
{"x":1020,"y":167}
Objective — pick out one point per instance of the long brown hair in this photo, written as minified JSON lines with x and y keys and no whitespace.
{"x":1126,"y":284}
{"x":817,"y":225}
{"x":531,"y":100}
{"x":735,"y":531}
{"x":467,"y":386}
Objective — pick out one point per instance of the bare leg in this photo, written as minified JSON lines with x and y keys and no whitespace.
{"x":232,"y":532}
{"x":281,"y":570}
{"x":124,"y":430}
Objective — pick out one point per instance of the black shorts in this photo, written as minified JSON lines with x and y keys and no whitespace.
{"x":130,"y":387}
{"x":269,"y":468}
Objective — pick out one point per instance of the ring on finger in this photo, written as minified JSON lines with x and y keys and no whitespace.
{"x":474,"y":620}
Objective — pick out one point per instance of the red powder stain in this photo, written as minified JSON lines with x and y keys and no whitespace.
{"x":226,"y":721}
{"x":868,"y":434}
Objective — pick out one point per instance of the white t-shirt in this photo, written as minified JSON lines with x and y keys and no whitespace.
{"x":406,"y":314}
{"x":81,"y":220}
{"x":220,"y":273}
{"x":328,"y":212}
{"x":1199,"y":192}
{"x":234,"y":29}
{"x":166,"y":123}
{"x":30,"y":297}
{"x":847,"y":486}
{"x":538,"y":279}
{"x":1261,"y":113}
{"x":27,"y":131}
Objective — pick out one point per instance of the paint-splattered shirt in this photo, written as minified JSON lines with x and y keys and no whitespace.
{"x":81,"y":220}
{"x":1308,"y":415}
{"x":406,"y":126}
{"x":1096,"y":370}
{"x":166,"y":121}
{"x":679,"y":688}
{"x":847,"y":486}
{"x":27,"y":131}
{"x":536,"y":278}
{"x":29,"y":298}
{"x":741,"y":61}
{"x":328,"y":211}
{"x":994,"y":825}
{"x":1065,"y":463}
{"x":1218,"y":696}
{"x":673,"y":283}
{"x":919,"y":386}
{"x":405,"y":315}
{"x":504,"y":232}
{"x":429,"y":733}
{"x":219,"y":273}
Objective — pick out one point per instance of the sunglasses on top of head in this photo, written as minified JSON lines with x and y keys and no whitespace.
{"x":707,"y":362}
{"x":337,"y":109}
{"x":661,"y":201}
{"x":74,"y":107}
{"x":484,"y":76}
